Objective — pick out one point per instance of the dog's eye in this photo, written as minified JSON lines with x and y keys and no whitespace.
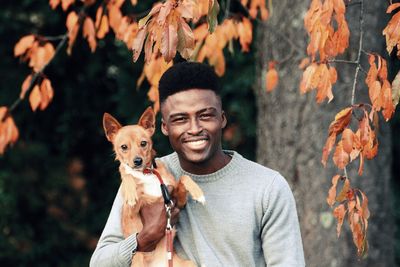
{"x":124,"y":147}
{"x":143,"y":143}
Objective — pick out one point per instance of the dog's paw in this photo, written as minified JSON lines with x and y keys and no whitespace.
{"x":199,"y":198}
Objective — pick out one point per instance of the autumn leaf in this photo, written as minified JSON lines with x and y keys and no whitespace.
{"x":344,"y":192}
{"x":54,"y":3}
{"x":72,"y":24}
{"x":35,"y":97}
{"x":396,"y":89}
{"x":329,"y":144}
{"x":46,"y":93}
{"x":332,"y":191}
{"x":23,"y":45}
{"x":391,"y":31}
{"x":101,"y":23}
{"x":65,"y":4}
{"x":339,"y":212}
{"x":304,"y":63}
{"x":245,"y":31}
{"x":8,"y":131}
{"x":347,"y":140}
{"x":89,"y":32}
{"x":340,"y":157}
{"x":342,"y":120}
{"x":271,"y":78}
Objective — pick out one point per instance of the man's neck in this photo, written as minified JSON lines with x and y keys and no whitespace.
{"x":209,"y":166}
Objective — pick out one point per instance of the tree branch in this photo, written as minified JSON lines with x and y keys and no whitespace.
{"x":360,"y":49}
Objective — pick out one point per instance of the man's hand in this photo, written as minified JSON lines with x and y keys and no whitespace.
{"x":154,"y":219}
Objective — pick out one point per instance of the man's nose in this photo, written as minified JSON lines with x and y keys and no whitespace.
{"x":195,"y":127}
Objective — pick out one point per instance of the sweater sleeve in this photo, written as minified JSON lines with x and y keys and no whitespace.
{"x":280,"y":232}
{"x":113,"y":250}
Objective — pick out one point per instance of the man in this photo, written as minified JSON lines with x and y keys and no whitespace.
{"x":250,"y":216}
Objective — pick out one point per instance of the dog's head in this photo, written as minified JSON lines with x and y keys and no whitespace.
{"x":132,"y":143}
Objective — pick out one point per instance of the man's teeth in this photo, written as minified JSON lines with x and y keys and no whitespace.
{"x":197,"y":142}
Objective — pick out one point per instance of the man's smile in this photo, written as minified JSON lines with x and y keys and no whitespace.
{"x":196,"y":143}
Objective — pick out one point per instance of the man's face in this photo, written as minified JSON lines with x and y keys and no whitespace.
{"x":193,"y":121}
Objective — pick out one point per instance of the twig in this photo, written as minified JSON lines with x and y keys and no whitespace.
{"x":359,"y":51}
{"x":37,"y":74}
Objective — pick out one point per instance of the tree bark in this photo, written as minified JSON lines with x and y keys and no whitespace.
{"x":292,"y":129}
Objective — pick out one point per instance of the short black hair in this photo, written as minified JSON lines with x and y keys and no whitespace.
{"x":187,"y":75}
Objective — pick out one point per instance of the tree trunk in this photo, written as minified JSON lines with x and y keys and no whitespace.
{"x":292,"y":129}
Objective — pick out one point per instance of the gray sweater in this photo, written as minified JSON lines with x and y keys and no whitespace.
{"x":249,"y":219}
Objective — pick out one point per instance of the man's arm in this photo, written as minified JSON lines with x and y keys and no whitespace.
{"x":280,"y":233}
{"x":115,"y":250}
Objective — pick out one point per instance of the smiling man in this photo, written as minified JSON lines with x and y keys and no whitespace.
{"x":250,"y":216}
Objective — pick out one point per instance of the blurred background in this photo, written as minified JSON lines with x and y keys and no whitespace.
{"x":58,"y":182}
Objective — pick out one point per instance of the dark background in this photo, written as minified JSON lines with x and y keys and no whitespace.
{"x":58,"y":182}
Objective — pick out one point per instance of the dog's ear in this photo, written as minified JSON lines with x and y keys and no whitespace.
{"x":111,"y":126}
{"x":148,"y":120}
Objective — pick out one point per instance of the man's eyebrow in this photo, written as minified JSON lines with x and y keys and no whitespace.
{"x":212,"y":109}
{"x":177,"y":114}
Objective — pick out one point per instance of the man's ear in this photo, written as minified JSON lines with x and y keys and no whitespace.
{"x":148,"y":120}
{"x":111,"y":126}
{"x":224,"y":120}
{"x":164,"y":129}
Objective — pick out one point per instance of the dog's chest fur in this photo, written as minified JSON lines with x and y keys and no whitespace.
{"x":149,"y":182}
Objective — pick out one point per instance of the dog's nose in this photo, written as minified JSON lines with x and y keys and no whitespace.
{"x":137,"y":161}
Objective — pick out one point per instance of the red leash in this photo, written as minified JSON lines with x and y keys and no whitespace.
{"x":168,"y":208}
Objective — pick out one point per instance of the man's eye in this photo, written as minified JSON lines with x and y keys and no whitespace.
{"x":179,"y":119}
{"x":124,"y":147}
{"x":143,"y":143}
{"x":205,"y":116}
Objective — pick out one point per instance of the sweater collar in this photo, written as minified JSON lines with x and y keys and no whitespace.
{"x":228,"y":169}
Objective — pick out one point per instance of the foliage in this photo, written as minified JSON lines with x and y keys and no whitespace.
{"x":58,"y":182}
{"x":191,"y":29}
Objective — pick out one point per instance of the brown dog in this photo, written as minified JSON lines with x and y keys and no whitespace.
{"x":133,"y":147}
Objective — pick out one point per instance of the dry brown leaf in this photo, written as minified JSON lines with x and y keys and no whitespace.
{"x":340,"y":157}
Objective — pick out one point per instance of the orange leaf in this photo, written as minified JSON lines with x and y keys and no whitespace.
{"x":392,"y":32}
{"x":25,"y":86}
{"x":66,"y":3}
{"x":35,"y":97}
{"x":330,"y":142}
{"x":392,"y":7}
{"x":89,"y":33}
{"x":245,"y":31}
{"x":344,"y":192}
{"x":103,"y":29}
{"x":347,"y":139}
{"x":8,"y":131}
{"x":23,"y":45}
{"x":54,"y":3}
{"x":342,"y":120}
{"x":387,"y":101}
{"x":339,"y":212}
{"x":396,"y":89}
{"x":138,"y":43}
{"x":361,"y":167}
{"x":271,"y":78}
{"x":340,"y":157}
{"x":332,"y":191}
{"x":169,"y":39}
{"x":304,"y":62}
{"x":46,"y":93}
{"x":73,"y":28}
{"x":185,"y":43}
